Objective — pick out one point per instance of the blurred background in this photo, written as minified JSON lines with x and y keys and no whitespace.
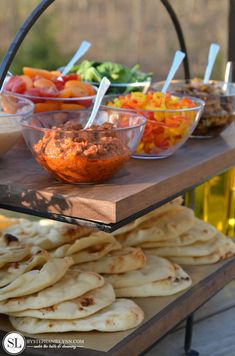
{"x":129,"y":32}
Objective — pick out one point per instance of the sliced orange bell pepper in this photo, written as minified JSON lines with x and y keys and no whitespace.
{"x":71,"y":106}
{"x":51,"y":106}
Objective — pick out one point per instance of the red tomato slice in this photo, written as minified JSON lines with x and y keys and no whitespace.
{"x":49,"y":92}
{"x":72,"y":76}
{"x":59,"y":84}
{"x":33,"y":92}
{"x":16,"y":84}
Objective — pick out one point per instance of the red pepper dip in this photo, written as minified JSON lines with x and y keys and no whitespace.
{"x":75,"y":155}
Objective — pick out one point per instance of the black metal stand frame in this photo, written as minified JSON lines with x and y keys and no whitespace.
{"x":15,"y":46}
{"x":188,"y":337}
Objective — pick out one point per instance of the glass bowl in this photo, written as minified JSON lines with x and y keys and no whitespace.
{"x":12,"y":110}
{"x":124,"y":88}
{"x":73,"y":155}
{"x":47,"y":101}
{"x":166,"y":130}
{"x":219,"y":98}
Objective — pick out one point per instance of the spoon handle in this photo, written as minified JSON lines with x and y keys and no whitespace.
{"x":228,"y":72}
{"x":104,"y":85}
{"x":178,"y":58}
{"x":214,"y":49}
{"x":227,"y":77}
{"x":85,"y":45}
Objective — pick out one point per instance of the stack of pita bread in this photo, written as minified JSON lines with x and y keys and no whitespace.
{"x":175,"y":233}
{"x":56,"y":277}
{"x":42,"y":292}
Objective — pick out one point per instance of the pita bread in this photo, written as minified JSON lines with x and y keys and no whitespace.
{"x":127,"y":259}
{"x":165,"y":287}
{"x":173,"y":223}
{"x":220,"y":244}
{"x":13,"y":254}
{"x":72,"y":285}
{"x":123,"y":314}
{"x":36,"y":280}
{"x":204,"y":260}
{"x":156,"y":268}
{"x":14,"y":269}
{"x":153,"y":214}
{"x":47,"y":234}
{"x":77,"y":308}
{"x":201,"y":231}
{"x":88,"y":248}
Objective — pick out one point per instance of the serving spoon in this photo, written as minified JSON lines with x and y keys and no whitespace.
{"x":104,"y":85}
{"x":214,"y":49}
{"x":85,"y":45}
{"x":178,"y":58}
{"x":228,"y":76}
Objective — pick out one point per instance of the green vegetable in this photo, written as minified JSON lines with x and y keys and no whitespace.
{"x":116,"y":73}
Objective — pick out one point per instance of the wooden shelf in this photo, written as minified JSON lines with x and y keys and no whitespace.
{"x":141,"y":186}
{"x":161,"y":315}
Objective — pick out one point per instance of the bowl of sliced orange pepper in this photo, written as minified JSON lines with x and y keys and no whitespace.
{"x":50,"y":91}
{"x":170,"y":120}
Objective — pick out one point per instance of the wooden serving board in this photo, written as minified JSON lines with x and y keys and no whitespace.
{"x":161,"y":315}
{"x":141,"y":185}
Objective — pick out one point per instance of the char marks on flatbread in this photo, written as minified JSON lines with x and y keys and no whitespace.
{"x":36,"y":280}
{"x":88,"y":248}
{"x":13,"y":270}
{"x":76,"y":308}
{"x":165,"y":287}
{"x":123,"y":314}
{"x":156,"y":268}
{"x":47,"y":234}
{"x":127,"y":259}
{"x":72,"y":285}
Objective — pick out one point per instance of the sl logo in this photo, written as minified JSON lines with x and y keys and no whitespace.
{"x":14,"y":343}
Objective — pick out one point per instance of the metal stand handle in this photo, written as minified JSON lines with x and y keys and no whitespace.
{"x":20,"y":35}
{"x":180,"y":36}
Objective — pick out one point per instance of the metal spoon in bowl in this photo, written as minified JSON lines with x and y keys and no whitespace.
{"x":104,"y":85}
{"x":214,"y":49}
{"x":85,"y":45}
{"x":228,"y":76}
{"x":178,"y":58}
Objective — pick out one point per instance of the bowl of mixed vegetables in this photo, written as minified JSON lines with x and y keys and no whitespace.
{"x":170,"y":120}
{"x":50,"y":91}
{"x":123,"y":79}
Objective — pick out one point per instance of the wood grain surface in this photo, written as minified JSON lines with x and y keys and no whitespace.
{"x":161,"y":315}
{"x":141,"y":183}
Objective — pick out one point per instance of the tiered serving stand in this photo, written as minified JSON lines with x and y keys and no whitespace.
{"x":141,"y":187}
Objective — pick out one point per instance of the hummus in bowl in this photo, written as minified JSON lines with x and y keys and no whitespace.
{"x":12,"y":110}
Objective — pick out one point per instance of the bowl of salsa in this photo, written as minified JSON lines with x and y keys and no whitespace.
{"x":72,"y":154}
